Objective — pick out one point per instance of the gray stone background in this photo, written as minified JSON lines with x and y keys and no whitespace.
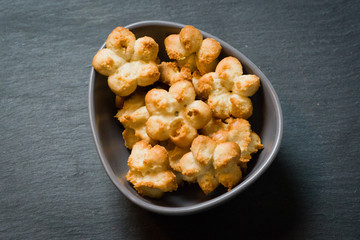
{"x":52,"y":183}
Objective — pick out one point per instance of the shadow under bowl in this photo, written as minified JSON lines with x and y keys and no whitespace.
{"x":266,"y":121}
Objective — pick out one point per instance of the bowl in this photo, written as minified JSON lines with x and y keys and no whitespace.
{"x":267,"y":121}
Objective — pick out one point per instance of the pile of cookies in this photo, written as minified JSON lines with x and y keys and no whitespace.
{"x":184,"y":120}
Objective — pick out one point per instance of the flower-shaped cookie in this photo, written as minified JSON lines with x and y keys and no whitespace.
{"x":235,"y":130}
{"x":127,"y":61}
{"x":133,"y":116}
{"x":210,"y":163}
{"x":227,"y":90}
{"x":171,"y":73}
{"x":175,"y":114}
{"x":190,"y":50}
{"x":149,"y":170}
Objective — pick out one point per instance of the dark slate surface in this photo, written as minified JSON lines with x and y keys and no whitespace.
{"x":52,"y":183}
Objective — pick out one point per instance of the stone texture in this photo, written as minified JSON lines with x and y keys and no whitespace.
{"x":52,"y":183}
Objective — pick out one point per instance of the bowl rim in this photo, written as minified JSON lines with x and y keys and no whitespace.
{"x":209,"y":203}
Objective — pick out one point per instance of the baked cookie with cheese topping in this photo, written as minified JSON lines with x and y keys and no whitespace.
{"x":133,"y":116}
{"x":210,"y":163}
{"x":175,"y":114}
{"x":227,"y":90}
{"x":128,"y":62}
{"x":190,"y":50}
{"x":235,"y":130}
{"x":149,"y":170}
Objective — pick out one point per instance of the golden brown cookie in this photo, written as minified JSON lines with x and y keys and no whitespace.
{"x":128,"y":62}
{"x":133,"y":116}
{"x":227,"y":90}
{"x":190,"y":50}
{"x":210,"y":163}
{"x":234,"y":130}
{"x":149,"y":170}
{"x":175,"y":114}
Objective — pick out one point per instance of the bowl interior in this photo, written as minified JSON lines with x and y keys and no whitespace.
{"x":266,"y":121}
